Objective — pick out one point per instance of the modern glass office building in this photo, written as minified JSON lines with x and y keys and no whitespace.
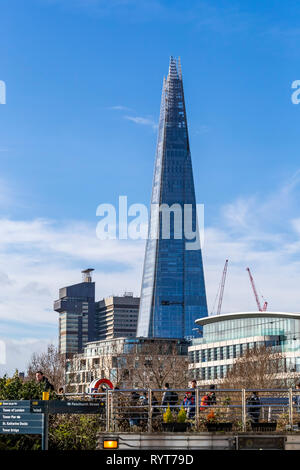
{"x":173,"y":290}
{"x":227,"y":337}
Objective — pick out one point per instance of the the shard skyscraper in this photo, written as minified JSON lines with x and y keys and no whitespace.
{"x":173,"y":288}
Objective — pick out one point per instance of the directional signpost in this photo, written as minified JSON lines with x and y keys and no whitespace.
{"x":16,"y":418}
{"x":31,"y":416}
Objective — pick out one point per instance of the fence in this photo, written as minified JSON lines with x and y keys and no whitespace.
{"x":143,"y":410}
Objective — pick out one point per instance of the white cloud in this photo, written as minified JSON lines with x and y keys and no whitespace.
{"x":39,"y":256}
{"x":141,"y":120}
{"x":119,"y":108}
{"x":261,"y":232}
{"x":19,"y":352}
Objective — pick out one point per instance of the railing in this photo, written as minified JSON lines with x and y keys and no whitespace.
{"x":142,"y":410}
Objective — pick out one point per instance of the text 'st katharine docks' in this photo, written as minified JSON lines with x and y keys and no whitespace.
{"x":173,"y":289}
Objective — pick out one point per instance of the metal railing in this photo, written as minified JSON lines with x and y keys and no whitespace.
{"x":143,"y":410}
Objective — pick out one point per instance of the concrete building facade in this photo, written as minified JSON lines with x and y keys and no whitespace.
{"x":117,"y":316}
{"x":115,"y":359}
{"x":82,"y":319}
{"x":76,"y":308}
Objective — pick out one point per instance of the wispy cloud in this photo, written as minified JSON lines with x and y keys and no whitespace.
{"x":262,"y":232}
{"x":39,"y":256}
{"x":119,"y":108}
{"x":142,"y":121}
{"x":18,"y":353}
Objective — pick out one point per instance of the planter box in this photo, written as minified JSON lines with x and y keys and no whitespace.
{"x":175,"y":427}
{"x":215,"y":427}
{"x":264,"y":427}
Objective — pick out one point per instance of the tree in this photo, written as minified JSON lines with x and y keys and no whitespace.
{"x":157,"y":363}
{"x":51,"y":363}
{"x":259,"y":368}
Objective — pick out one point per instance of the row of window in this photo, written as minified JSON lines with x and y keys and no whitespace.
{"x":225,"y":352}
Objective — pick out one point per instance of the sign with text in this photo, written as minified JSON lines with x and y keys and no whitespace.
{"x":67,"y":407}
{"x":16,"y":418}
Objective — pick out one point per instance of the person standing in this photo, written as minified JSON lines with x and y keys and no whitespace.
{"x":46,"y":385}
{"x":169,"y":398}
{"x":254,"y":407}
{"x":296,"y":399}
{"x":212,"y":396}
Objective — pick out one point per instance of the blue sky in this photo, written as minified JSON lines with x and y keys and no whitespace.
{"x":83,"y":82}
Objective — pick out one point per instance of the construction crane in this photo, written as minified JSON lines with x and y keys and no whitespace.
{"x":222,"y":287}
{"x":220,"y":291}
{"x":260,"y":308}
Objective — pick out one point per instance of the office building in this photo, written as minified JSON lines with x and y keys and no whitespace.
{"x":117,"y":316}
{"x":82,"y":319}
{"x":76,"y":308}
{"x":228,"y":336}
{"x":173,"y":289}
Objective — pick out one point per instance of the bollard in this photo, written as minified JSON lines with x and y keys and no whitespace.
{"x":291,"y":408}
{"x":197,"y":408}
{"x":149,"y":410}
{"x":244,"y":410}
{"x":45,"y":397}
{"x":107,"y":411}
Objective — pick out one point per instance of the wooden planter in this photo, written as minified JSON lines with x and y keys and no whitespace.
{"x":175,"y":427}
{"x":264,"y":427}
{"x":215,"y":427}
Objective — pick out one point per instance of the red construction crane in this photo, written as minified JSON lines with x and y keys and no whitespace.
{"x":260,"y":308}
{"x":222,"y":288}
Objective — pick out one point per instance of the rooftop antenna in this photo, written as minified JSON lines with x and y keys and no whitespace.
{"x":86,"y":275}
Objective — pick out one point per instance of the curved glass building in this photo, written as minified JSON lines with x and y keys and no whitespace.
{"x":173,"y":289}
{"x":227,"y":337}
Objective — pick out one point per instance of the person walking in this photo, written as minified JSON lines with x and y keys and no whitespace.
{"x":254,"y":407}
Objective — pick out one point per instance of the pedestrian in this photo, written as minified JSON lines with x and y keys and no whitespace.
{"x":205,"y":402}
{"x":254,"y":407}
{"x":189,"y":405}
{"x":154,"y":404}
{"x":212,"y":396}
{"x":296,"y":399}
{"x":134,"y":411}
{"x":46,"y":385}
{"x":194,"y":386}
{"x":192,"y":399}
{"x":170,"y":398}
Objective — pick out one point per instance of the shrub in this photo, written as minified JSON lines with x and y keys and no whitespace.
{"x":181,"y":418}
{"x":167,"y":416}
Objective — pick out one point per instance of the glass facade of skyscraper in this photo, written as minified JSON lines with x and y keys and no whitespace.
{"x":173,"y":289}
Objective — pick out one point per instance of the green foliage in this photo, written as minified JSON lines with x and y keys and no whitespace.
{"x":73,"y":432}
{"x":167,"y":416}
{"x":181,"y":418}
{"x":17,"y":389}
{"x":66,"y":432}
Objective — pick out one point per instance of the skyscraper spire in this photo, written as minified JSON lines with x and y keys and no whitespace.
{"x":173,"y":289}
